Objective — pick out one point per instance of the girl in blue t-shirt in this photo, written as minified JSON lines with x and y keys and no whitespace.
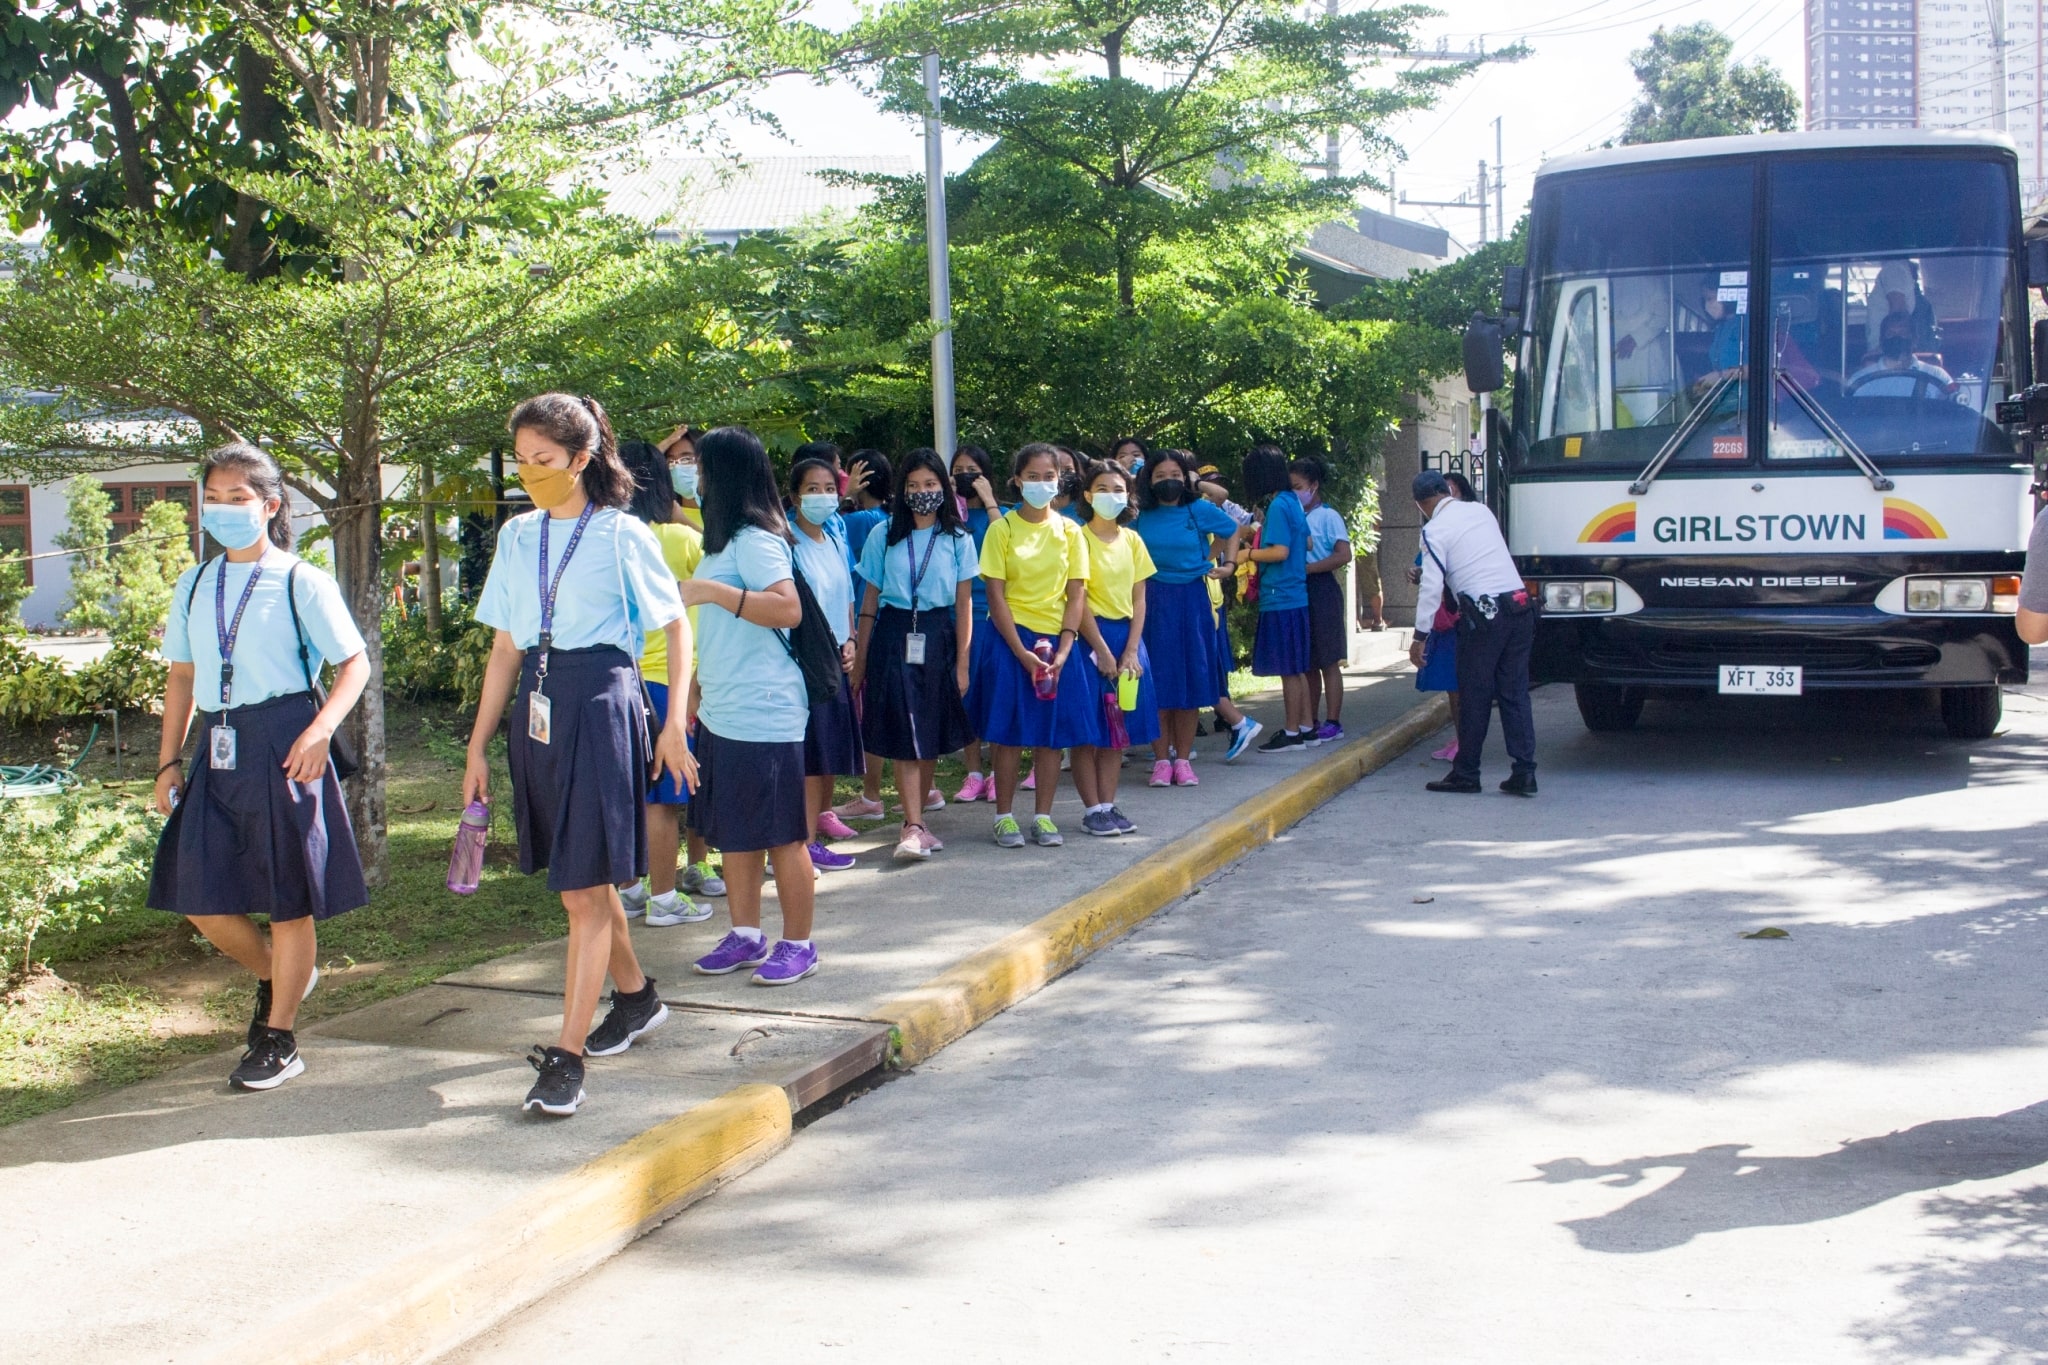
{"x":832,"y":736}
{"x":752,"y":711}
{"x":974,"y":480}
{"x":574,"y":588}
{"x":257,"y":825}
{"x":1186,"y":535}
{"x":916,"y":631}
{"x":1281,"y":647}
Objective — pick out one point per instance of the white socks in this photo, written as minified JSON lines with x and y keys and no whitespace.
{"x":753,"y":935}
{"x":1097,"y":810}
{"x":663,"y":901}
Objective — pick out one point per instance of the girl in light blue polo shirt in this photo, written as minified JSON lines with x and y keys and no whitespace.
{"x":752,"y":710}
{"x":832,"y":737}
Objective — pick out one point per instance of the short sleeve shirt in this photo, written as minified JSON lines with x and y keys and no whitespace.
{"x":751,"y":689}
{"x":266,"y":655}
{"x":617,"y":586}
{"x":1325,"y":531}
{"x":859,"y":526}
{"x":1036,"y":561}
{"x":682,"y":549}
{"x":1115,"y":568}
{"x":978,"y":522}
{"x":1283,"y":586}
{"x":952,"y":560}
{"x":831,"y":581}
{"x":1178,"y":538}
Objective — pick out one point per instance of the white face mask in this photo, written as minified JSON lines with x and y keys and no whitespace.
{"x":1039,"y":494}
{"x":817,"y":508}
{"x":1108,"y":506}
{"x":684,"y":477}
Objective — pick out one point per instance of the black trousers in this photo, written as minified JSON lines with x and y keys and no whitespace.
{"x":1493,"y":665}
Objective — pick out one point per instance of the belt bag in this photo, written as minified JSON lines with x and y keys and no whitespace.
{"x":1478,"y":613}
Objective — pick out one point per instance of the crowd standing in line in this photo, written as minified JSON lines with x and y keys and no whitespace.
{"x":649,"y":621}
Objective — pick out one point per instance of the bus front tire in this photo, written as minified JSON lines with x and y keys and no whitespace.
{"x":1607,"y":707}
{"x":1971,"y":712}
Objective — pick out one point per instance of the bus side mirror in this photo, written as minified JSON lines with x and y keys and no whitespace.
{"x":1513,"y":281}
{"x":2037,"y":262}
{"x":1483,"y":365}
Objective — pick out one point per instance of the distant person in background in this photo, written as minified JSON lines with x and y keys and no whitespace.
{"x":871,"y":483}
{"x":1131,"y":454}
{"x":974,"y":479}
{"x":832,"y":735}
{"x":1280,"y":649}
{"x":680,"y":450}
{"x":2033,"y":617}
{"x":1329,"y":634}
{"x":700,"y":875}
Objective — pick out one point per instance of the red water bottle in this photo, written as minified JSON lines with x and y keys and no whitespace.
{"x":1045,"y":682}
{"x":466,"y":862}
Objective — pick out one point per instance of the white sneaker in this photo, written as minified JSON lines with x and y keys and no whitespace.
{"x":673,"y":908}
{"x":634,"y":898}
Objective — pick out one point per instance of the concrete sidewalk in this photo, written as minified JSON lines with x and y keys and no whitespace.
{"x":171,"y":1219}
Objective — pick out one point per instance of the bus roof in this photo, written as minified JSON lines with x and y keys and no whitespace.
{"x":1858,"y":139}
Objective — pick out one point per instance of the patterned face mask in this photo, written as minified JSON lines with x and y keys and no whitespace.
{"x":924,"y":503}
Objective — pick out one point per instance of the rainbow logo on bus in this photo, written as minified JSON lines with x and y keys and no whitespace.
{"x":1910,"y":521}
{"x":1614,"y":526}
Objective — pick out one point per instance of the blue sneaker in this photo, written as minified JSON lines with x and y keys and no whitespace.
{"x":1241,"y":739}
{"x":787,"y":965}
{"x":733,"y":952}
{"x":1100,"y":824}
{"x":1124,"y":823}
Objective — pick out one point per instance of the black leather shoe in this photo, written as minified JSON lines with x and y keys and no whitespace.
{"x":1451,"y":782}
{"x":1520,"y":784}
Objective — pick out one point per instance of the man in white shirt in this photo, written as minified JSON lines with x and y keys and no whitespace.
{"x":1462,"y":548}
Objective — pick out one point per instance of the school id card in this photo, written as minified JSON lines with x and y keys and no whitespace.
{"x":540,"y":717}
{"x":221,"y":748}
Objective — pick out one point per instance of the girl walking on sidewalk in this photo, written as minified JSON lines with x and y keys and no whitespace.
{"x":1114,"y":626}
{"x":258,"y":826}
{"x":572,"y":593}
{"x":752,"y":710}
{"x":1036,"y":571}
{"x":916,"y":634}
{"x":832,"y":736}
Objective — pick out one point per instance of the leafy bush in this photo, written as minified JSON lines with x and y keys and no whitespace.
{"x":35,"y":689}
{"x":90,"y":606}
{"x":418,"y":663}
{"x":67,"y":860}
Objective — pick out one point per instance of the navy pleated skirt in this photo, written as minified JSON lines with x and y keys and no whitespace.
{"x":1329,"y":638}
{"x":750,"y":795}
{"x":913,"y":711}
{"x":1181,"y":633}
{"x":248,"y":840}
{"x":576,"y":799}
{"x":1141,"y":723}
{"x":1005,"y":708}
{"x":832,"y":738}
{"x":1439,"y":662}
{"x":1280,"y":649}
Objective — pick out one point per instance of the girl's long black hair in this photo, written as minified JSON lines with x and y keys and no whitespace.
{"x":261,"y":473}
{"x":1179,"y":459}
{"x":1265,"y":472}
{"x":654,"y":494}
{"x":901,"y":521}
{"x":738,"y":488}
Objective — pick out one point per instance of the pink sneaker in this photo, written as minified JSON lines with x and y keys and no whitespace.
{"x":831,"y":826}
{"x":1184,"y":774}
{"x":931,"y":841}
{"x":933,"y":800}
{"x":1162,"y":773}
{"x":860,"y":808}
{"x":1030,"y":782}
{"x":1447,"y":754}
{"x":971,"y":789}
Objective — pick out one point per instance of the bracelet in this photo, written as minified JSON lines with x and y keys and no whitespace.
{"x":740,"y":612}
{"x":174,"y":763}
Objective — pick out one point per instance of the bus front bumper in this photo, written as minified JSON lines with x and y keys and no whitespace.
{"x":1837,"y":647}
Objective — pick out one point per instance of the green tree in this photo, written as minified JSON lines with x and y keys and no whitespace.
{"x":89,"y":529}
{"x":146,"y":567}
{"x":1691,"y":89}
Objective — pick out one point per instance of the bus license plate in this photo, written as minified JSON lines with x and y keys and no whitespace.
{"x":1747,"y":681}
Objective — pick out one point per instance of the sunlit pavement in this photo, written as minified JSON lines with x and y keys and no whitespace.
{"x":1467,"y":1078}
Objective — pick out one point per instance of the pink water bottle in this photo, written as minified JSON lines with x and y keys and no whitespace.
{"x":466,"y":863}
{"x":1045,"y":682}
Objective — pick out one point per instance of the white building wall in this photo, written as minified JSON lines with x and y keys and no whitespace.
{"x":1958,"y":85}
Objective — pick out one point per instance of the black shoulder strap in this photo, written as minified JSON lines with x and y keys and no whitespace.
{"x":192,"y":593}
{"x":291,"y":595}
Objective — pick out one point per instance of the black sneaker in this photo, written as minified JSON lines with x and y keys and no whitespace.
{"x":1451,"y":782}
{"x":272,"y":1059}
{"x":1282,"y":740}
{"x":631,"y":1017}
{"x":560,"y":1087}
{"x":260,"y":1018}
{"x":1520,"y":784}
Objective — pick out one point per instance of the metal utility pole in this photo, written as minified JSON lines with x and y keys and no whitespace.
{"x":1485,"y":193}
{"x":1995,"y":9}
{"x":1463,"y":201}
{"x":1331,"y":151}
{"x":1500,"y":183}
{"x":938,"y":268}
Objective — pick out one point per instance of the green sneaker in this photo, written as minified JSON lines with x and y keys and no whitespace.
{"x":1045,"y":833}
{"x":1008,"y":835}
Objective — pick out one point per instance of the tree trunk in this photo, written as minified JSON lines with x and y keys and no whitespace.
{"x":138,"y":186}
{"x":430,"y":552}
{"x":356,"y":524}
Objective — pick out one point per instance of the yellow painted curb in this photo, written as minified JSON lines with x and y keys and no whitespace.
{"x":975,"y":990}
{"x":433,"y":1301}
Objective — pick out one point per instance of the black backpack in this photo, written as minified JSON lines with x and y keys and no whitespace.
{"x":813,"y":645}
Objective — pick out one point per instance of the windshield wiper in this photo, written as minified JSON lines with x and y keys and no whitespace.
{"x":1693,"y":422}
{"x":1832,"y":429}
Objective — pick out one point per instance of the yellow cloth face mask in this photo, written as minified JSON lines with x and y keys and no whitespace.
{"x":548,"y":487}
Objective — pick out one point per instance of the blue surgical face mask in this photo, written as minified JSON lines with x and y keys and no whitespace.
{"x":684,"y":477}
{"x":236,"y":525}
{"x":1137,"y":463}
{"x":1108,"y":506}
{"x":1039,"y":494}
{"x":817,"y":508}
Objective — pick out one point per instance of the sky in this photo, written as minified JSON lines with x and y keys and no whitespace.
{"x":1571,"y":93}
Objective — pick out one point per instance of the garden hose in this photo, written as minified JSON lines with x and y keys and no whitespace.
{"x":43,"y":779}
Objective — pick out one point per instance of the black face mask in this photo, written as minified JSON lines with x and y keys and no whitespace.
{"x":1895,"y":347}
{"x":965,"y":483}
{"x":1169,"y":492}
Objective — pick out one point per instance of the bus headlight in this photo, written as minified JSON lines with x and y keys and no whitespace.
{"x":1578,"y":596}
{"x":1962,"y":594}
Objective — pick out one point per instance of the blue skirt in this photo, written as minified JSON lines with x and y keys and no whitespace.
{"x":1329,"y":636}
{"x":913,"y":711}
{"x":750,"y":795}
{"x":1280,"y":649}
{"x":1439,"y":662}
{"x":248,"y":840}
{"x":666,"y":791}
{"x":1181,"y":635}
{"x":1005,"y":708}
{"x":576,"y":799}
{"x":1142,"y":722}
{"x":832,"y":739}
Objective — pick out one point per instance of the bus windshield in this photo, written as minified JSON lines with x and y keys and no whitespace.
{"x":1887,"y":318}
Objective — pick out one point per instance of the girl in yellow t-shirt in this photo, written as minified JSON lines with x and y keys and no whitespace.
{"x":1114,"y":626}
{"x":1036,"y":571}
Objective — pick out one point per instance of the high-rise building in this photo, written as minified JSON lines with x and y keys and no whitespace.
{"x":1931,"y":64}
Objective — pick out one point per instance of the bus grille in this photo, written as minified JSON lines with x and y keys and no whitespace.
{"x":1822,"y":656}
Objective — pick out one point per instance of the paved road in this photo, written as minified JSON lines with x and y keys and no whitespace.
{"x":1466,"y":1079}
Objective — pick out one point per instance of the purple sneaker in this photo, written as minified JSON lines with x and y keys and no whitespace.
{"x":733,"y":952}
{"x":1330,"y":732}
{"x":825,"y":860}
{"x":787,"y":965}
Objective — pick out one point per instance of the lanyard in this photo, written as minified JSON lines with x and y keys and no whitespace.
{"x":547,"y":589}
{"x":917,"y":569}
{"x":224,"y":630}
